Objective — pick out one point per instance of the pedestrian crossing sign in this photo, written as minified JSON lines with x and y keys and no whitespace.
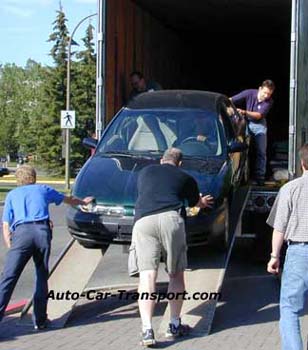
{"x":68,"y":120}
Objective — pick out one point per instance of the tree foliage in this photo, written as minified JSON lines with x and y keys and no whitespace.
{"x":83,"y":97}
{"x":20,"y":107}
{"x":32,"y":97}
{"x":54,"y":87}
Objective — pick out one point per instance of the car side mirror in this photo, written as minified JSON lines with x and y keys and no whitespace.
{"x":235,"y":146}
{"x":89,"y":142}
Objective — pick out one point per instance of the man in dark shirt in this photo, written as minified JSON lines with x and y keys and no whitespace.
{"x":159,"y":230}
{"x":139,"y":85}
{"x":257,"y":104}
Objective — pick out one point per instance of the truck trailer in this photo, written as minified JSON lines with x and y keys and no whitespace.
{"x":216,"y":45}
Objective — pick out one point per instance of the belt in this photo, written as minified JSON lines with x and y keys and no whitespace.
{"x":38,"y":222}
{"x":296,"y":242}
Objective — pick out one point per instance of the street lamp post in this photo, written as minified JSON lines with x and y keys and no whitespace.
{"x":68,"y":102}
{"x":100,"y":67}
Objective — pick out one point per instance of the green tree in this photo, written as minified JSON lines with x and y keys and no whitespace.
{"x":28,"y":135}
{"x":83,"y":97}
{"x":51,"y":140}
{"x":20,"y":97}
{"x":10,"y":107}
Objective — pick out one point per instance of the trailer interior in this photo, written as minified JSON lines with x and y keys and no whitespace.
{"x":217,"y":45}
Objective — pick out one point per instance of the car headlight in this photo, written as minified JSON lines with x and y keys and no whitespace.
{"x":103,"y":209}
{"x":88,"y":208}
{"x":192,"y":211}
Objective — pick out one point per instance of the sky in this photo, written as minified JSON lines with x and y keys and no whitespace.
{"x":25,"y":26}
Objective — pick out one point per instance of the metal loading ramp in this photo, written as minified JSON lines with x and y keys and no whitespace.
{"x":206,"y":274}
{"x":69,"y":273}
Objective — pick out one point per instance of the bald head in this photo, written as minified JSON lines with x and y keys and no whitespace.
{"x":172,"y":156}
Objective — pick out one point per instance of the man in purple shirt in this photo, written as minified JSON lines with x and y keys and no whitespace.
{"x":255,"y":105}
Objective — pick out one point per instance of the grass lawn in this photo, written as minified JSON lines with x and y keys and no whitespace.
{"x":4,"y":190}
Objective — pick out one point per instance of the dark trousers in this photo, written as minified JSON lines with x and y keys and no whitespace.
{"x":28,"y":240}
{"x":258,"y":156}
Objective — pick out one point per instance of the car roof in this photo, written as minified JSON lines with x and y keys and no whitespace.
{"x":176,"y":99}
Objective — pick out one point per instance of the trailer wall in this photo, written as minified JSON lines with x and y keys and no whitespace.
{"x":301,"y":126}
{"x":138,"y":41}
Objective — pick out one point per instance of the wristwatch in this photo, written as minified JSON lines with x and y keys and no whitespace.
{"x":274,"y":256}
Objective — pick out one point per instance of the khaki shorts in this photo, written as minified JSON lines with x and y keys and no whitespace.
{"x":160,"y":236}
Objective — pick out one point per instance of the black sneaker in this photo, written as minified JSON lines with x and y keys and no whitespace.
{"x":180,"y":331}
{"x":41,"y":326}
{"x":147,"y":338}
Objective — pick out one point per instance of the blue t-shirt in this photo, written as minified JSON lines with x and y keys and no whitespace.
{"x":249,"y":98}
{"x":29,"y":203}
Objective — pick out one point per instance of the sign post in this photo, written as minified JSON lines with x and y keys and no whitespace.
{"x":68,"y":122}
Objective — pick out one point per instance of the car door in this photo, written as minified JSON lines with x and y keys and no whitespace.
{"x":233,"y":130}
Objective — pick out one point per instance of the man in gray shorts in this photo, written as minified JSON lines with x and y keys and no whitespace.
{"x":159,"y":230}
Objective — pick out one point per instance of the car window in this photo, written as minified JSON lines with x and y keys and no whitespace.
{"x":195,"y":132}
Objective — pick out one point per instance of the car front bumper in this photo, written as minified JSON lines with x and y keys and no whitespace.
{"x":91,"y":228}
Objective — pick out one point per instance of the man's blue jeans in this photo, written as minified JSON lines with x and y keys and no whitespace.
{"x":294,"y":286}
{"x":29,"y":240}
{"x":259,"y":144}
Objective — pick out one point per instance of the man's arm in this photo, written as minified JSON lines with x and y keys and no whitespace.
{"x":191,"y":193}
{"x":240,"y":97}
{"x":274,"y":263}
{"x":76,"y":201}
{"x":251,"y":115}
{"x":6,"y":234}
{"x":262,"y":113}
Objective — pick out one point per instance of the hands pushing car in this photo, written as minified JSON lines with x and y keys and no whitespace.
{"x":209,"y":132}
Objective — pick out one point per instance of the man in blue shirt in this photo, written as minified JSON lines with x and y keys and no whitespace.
{"x":255,"y":105}
{"x":27,"y":233}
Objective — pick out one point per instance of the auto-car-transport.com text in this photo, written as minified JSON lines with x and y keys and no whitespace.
{"x":123,"y":294}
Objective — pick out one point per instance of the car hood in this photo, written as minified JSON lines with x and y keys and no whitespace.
{"x":113,"y":180}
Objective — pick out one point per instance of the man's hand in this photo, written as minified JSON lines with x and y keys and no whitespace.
{"x":242,"y":112}
{"x":206,"y":201}
{"x":201,"y":138}
{"x":273,"y":266}
{"x":88,"y":200}
{"x":51,"y":225}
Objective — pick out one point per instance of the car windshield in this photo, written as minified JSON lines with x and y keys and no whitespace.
{"x":195,"y":132}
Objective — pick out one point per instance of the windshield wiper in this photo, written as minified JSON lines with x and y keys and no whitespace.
{"x":156,"y":151}
{"x":116,"y":153}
